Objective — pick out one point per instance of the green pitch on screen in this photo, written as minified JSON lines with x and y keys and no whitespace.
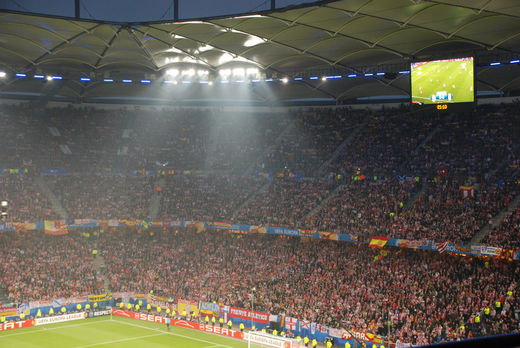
{"x":443,"y":81}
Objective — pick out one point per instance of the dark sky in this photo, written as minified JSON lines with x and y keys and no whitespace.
{"x":143,"y":10}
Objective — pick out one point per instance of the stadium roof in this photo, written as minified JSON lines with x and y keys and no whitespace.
{"x":327,"y":38}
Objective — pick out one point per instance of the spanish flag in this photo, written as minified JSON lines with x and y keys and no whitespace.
{"x":378,"y":242}
{"x":55,"y":227}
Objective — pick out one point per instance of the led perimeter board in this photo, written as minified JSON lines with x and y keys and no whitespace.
{"x":443,"y":82}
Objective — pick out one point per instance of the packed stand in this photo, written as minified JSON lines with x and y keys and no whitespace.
{"x":471,"y":146}
{"x":363,"y":208}
{"x":25,"y":201}
{"x":314,"y":136}
{"x":386,"y":145}
{"x":428,"y":297}
{"x":206,"y":198}
{"x":507,"y":233}
{"x":98,"y":196}
{"x":36,"y":266}
{"x":285,"y":202}
{"x":443,"y":213}
{"x":25,"y":139}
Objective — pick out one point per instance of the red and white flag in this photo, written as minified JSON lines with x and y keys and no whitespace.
{"x":441,"y":246}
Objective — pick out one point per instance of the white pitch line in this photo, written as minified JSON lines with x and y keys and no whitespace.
{"x":121,"y":340}
{"x":171,"y":333}
{"x":43,"y":328}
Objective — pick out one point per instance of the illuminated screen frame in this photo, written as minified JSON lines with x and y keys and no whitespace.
{"x":444,"y":102}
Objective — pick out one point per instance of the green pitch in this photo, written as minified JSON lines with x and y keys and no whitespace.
{"x":116,"y":332}
{"x":448,"y":81}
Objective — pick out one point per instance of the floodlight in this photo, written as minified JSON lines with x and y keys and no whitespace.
{"x":190,"y":72}
{"x":239,"y":72}
{"x":2,"y":74}
{"x":4,"y":203}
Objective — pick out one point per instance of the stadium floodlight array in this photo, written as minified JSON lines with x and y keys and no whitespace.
{"x":256,"y":338}
{"x":228,"y":76}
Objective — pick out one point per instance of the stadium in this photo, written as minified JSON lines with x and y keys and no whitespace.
{"x":284,"y":173}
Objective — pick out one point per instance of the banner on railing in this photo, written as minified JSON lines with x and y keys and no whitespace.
{"x":362,"y":336}
{"x":8,"y":311}
{"x":60,"y":318}
{"x":188,"y":306}
{"x":180,"y":323}
{"x":57,"y":227}
{"x":16,"y":325}
{"x":209,"y":308}
{"x":161,"y":301}
{"x":485,"y":250}
{"x":99,"y":298}
{"x":245,"y":314}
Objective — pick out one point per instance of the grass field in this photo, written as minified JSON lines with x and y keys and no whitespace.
{"x":116,"y":332}
{"x":454,"y":78}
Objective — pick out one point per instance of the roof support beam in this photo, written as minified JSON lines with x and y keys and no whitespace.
{"x":143,"y":48}
{"x":107,"y":47}
{"x":77,"y":9}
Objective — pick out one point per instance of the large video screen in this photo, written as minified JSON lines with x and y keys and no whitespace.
{"x":443,"y":81}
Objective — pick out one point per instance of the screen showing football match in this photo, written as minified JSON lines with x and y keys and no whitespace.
{"x":443,"y":81}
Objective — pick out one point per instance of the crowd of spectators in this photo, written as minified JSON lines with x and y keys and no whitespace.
{"x":412,"y":166}
{"x":103,"y":196}
{"x":363,"y":208}
{"x":443,"y":213}
{"x":507,"y":233}
{"x":284,"y":202}
{"x":316,"y":133}
{"x":206,"y":198}
{"x":25,"y":200}
{"x":36,"y":266}
{"x":400,"y":176}
{"x":407,"y":295}
{"x":427,"y":297}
